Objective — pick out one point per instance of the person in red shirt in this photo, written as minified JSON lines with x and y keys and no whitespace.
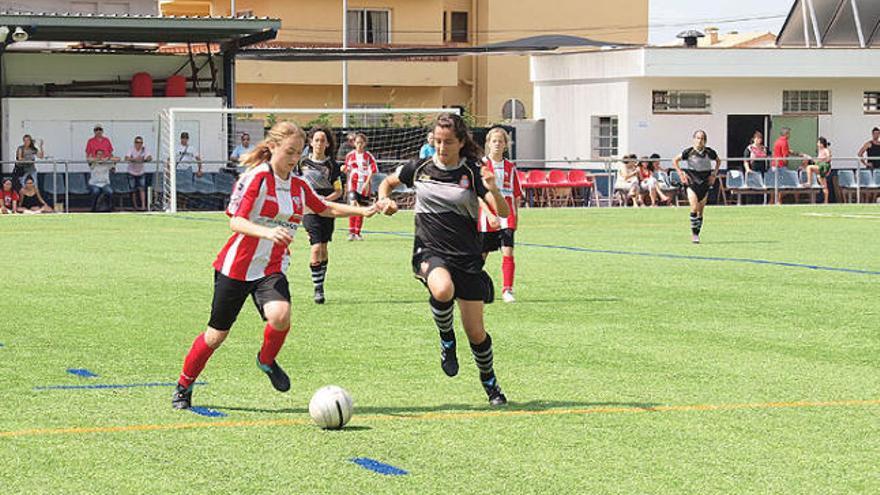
{"x":98,"y":143}
{"x":360,"y":165}
{"x":267,"y":206}
{"x":8,"y":198}
{"x":781,"y":149}
{"x":498,"y":232}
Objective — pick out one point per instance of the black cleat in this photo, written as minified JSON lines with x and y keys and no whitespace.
{"x":319,"y":296}
{"x":496,"y":396}
{"x":448,"y":359}
{"x":182,"y":397}
{"x":277,"y":376}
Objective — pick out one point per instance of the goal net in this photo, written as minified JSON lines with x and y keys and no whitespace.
{"x":199,"y":148}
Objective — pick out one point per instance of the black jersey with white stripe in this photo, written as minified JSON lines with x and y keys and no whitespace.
{"x":699,"y":161}
{"x":446,"y":209}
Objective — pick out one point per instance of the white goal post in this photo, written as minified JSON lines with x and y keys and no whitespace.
{"x":224,"y":122}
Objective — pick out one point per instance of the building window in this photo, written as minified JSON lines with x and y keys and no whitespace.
{"x":369,"y":27}
{"x":682,"y":102}
{"x":872,"y":102}
{"x":513,"y":105}
{"x":459,"y":21}
{"x":811,"y":101}
{"x":604,"y":136}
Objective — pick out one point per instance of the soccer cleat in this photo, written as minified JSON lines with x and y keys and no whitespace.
{"x":507,"y":296}
{"x":319,"y":296}
{"x":448,"y":358}
{"x":277,"y":376}
{"x":496,"y":396}
{"x":358,"y":237}
{"x":182,"y":397}
{"x":352,"y":237}
{"x":695,"y":239}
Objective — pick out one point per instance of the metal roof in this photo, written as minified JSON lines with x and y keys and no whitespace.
{"x":832,"y":23}
{"x":68,"y":27}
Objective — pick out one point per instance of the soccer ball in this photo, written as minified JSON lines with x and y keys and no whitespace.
{"x":331,"y":407}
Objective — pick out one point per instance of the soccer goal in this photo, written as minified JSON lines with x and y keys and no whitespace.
{"x":199,"y":148}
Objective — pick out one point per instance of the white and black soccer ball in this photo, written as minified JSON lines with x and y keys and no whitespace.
{"x":331,"y":407}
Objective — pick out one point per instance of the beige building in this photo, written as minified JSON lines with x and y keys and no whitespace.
{"x":482,"y":85}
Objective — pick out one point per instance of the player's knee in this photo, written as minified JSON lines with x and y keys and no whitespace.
{"x":214,"y":338}
{"x":278,"y":318}
{"x":443,"y":292}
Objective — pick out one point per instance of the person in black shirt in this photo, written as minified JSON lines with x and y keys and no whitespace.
{"x":699,"y":177}
{"x":447,"y":252}
{"x":323,"y":173}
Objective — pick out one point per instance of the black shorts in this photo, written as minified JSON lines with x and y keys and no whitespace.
{"x":358,"y":198}
{"x":229,"y":296}
{"x":320,"y":228}
{"x":698,"y":182}
{"x":468,"y":286}
{"x":493,"y":241}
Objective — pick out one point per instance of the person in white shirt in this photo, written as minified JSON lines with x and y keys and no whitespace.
{"x":241,"y":149}
{"x":186,"y":154}
{"x":99,"y":180}
{"x":136,"y":158}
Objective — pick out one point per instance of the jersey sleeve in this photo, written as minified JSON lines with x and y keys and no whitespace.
{"x":244,"y":195}
{"x":517,"y":186}
{"x":713,"y":155}
{"x":314,"y":203}
{"x":374,"y":167}
{"x":407,"y":173}
{"x":686,"y":153}
{"x":479,"y":187}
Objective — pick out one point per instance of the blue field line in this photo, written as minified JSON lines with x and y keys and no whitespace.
{"x":204,"y":411}
{"x":109,"y":385}
{"x":81,"y":372}
{"x":379,"y":467}
{"x":784,"y":264}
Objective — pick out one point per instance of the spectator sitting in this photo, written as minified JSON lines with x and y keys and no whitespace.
{"x":427,"y":150}
{"x":98,"y":143}
{"x":648,"y":183}
{"x":25,"y":157}
{"x":136,"y":158}
{"x":99,"y":182}
{"x":627,"y":182}
{"x":186,"y":155}
{"x":8,"y":197}
{"x":31,"y":199}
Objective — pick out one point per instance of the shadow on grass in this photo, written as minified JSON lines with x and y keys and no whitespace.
{"x":545,"y":300}
{"x":535,"y":405}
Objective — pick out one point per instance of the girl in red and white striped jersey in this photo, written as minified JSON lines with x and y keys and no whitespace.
{"x":496,"y":231}
{"x":266,"y":209}
{"x":360,"y":165}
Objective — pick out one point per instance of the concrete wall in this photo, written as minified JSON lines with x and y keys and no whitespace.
{"x":65,"y":124}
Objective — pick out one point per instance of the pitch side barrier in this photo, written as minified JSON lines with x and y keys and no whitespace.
{"x":604,"y":170}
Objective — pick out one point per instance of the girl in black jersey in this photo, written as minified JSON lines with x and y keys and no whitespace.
{"x":699,"y":177}
{"x":448,"y":250}
{"x":322,"y":172}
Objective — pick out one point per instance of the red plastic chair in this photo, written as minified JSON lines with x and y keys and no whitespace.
{"x":535,"y":187}
{"x":583,"y":183}
{"x":561,"y":193}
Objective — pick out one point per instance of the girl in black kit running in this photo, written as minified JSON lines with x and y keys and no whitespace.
{"x":699,"y":177}
{"x":323,"y":173}
{"x":447,"y":253}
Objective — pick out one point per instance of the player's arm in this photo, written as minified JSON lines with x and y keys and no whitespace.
{"x":337,"y":210}
{"x":491,"y":218}
{"x":335,"y":174}
{"x":278,"y":235}
{"x":862,"y":151}
{"x":681,"y":175}
{"x":385,"y":204}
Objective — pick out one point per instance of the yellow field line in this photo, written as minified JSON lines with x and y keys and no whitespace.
{"x":439,"y":416}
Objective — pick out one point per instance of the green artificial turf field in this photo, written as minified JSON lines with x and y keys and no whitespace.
{"x":635,"y":363}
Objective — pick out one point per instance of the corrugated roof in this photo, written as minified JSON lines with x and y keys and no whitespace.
{"x":837,"y":24}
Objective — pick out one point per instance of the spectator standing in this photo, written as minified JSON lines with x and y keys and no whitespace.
{"x":241,"y":149}
{"x":25,"y":161}
{"x":137,"y":182}
{"x":186,"y":154}
{"x":8,"y":197}
{"x":31,"y":199}
{"x":782,"y":149}
{"x":872,"y":148}
{"x":427,"y":150}
{"x":98,"y":142}
{"x":99,"y":181}
{"x":756,"y":153}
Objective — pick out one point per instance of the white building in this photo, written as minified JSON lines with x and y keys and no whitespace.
{"x":607,"y":103}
